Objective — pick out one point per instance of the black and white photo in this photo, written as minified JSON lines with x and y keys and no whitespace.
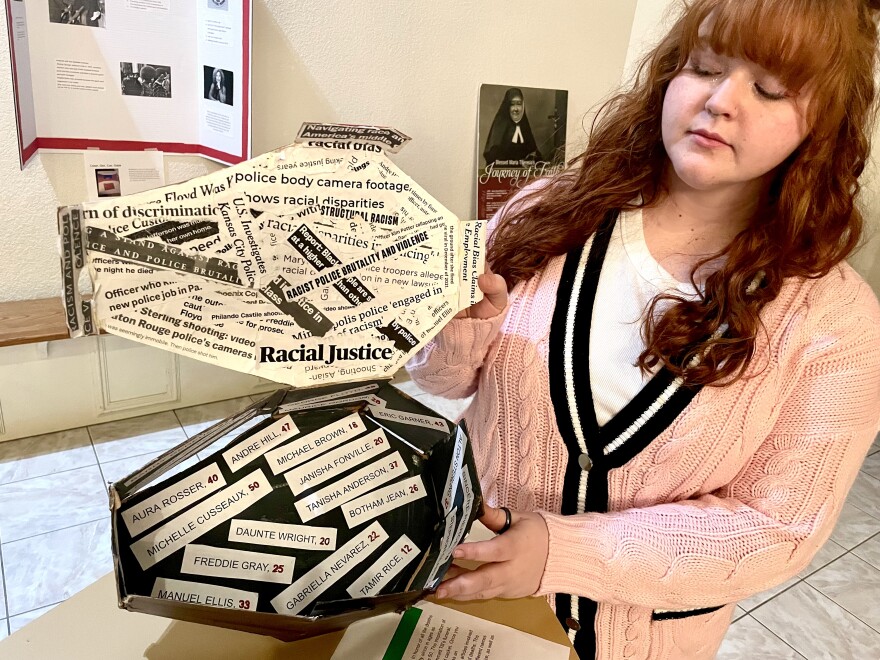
{"x":521,"y":138}
{"x":77,"y":12}
{"x":521,"y":124}
{"x":145,"y":79}
{"x":218,"y":85}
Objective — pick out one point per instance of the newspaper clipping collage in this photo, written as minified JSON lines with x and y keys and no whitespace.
{"x":317,"y":263}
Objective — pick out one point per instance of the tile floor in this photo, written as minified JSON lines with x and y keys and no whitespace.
{"x":54,"y":533}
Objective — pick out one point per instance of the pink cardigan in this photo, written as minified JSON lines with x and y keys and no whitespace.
{"x":734,"y":497}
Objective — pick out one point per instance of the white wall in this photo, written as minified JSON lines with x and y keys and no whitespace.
{"x":416,"y":66}
{"x":648,"y":26}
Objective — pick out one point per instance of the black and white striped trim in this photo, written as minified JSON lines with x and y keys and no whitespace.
{"x":670,"y":615}
{"x":568,"y":365}
{"x":651,"y":411}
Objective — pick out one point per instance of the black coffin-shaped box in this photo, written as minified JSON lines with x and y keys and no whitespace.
{"x":310,"y":510}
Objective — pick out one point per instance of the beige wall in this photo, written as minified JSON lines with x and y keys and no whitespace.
{"x":647,"y":27}
{"x":416,"y":66}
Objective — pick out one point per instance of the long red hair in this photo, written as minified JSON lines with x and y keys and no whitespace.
{"x":810,"y":222}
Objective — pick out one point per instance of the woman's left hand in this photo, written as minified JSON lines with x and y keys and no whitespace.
{"x":514,"y":565}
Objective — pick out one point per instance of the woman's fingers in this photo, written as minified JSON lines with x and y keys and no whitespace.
{"x":512,"y":563}
{"x":454,"y":571}
{"x":494,"y":519}
{"x":497,"y":549}
{"x":494,"y":290}
{"x":494,"y":300}
{"x":480,"y":584}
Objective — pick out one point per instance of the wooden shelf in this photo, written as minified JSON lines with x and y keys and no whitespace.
{"x":29,"y":321}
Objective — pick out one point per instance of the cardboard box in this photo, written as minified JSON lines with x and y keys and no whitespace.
{"x":384,"y":482}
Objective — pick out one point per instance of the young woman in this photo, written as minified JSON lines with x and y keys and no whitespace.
{"x":675,"y":399}
{"x":510,"y":137}
{"x":217,"y":92}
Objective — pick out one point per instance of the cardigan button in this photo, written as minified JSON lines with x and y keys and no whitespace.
{"x":585,"y":462}
{"x":573,"y":624}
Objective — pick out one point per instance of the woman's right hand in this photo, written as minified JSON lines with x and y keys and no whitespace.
{"x":494,"y":300}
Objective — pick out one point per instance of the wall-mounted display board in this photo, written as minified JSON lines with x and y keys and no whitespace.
{"x":128,"y":75}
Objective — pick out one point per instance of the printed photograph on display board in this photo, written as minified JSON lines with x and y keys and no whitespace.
{"x":219,"y":85}
{"x":520,"y":138}
{"x":77,"y":12}
{"x":152,"y":80}
{"x":107,"y":181}
{"x":117,"y":173}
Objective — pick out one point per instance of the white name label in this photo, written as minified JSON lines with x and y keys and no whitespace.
{"x":380,"y":501}
{"x":203,"y":517}
{"x":312,"y":404}
{"x":204,"y":594}
{"x":330,"y":465}
{"x":237,"y":564}
{"x":446,"y":546}
{"x":283,"y":535}
{"x":468,"y":488}
{"x":314,"y":443}
{"x":374,"y":400}
{"x":344,"y":396}
{"x":169,"y":501}
{"x":349,"y":487}
{"x":302,"y":592}
{"x":394,"y":560}
{"x":251,"y":448}
{"x":454,"y":475}
{"x":436,"y":423}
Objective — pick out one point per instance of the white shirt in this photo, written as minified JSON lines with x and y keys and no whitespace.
{"x":630,"y":279}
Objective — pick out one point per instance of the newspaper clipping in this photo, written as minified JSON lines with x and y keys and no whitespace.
{"x":521,"y":138}
{"x":320,"y":262}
